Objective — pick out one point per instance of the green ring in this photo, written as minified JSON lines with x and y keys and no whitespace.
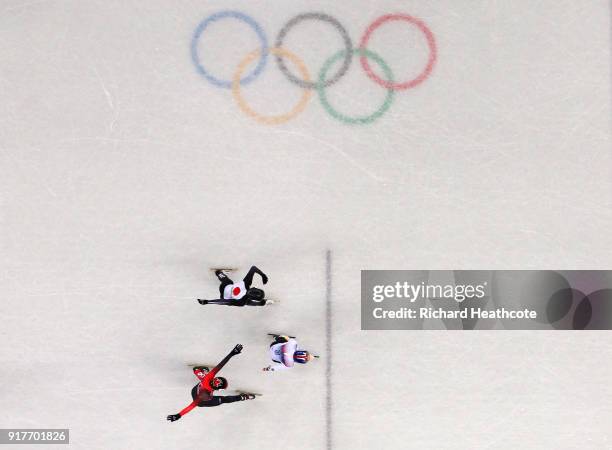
{"x":348,"y":119}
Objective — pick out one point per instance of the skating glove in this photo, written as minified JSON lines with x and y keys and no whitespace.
{"x":173,"y":417}
{"x":264,"y":278}
{"x":202,"y":302}
{"x":246,"y":396}
{"x":237,"y":350}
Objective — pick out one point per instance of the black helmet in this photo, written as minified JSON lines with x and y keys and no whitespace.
{"x":255,"y":294}
{"x":218,"y":383}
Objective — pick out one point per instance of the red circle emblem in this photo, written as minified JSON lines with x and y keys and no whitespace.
{"x":236,"y":290}
{"x":431,"y":43}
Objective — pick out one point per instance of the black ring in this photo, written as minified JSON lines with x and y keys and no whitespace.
{"x":324,"y":18}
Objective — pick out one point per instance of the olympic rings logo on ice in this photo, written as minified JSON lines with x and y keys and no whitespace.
{"x":323,"y":80}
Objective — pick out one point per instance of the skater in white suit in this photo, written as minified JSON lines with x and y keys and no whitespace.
{"x":285,"y":352}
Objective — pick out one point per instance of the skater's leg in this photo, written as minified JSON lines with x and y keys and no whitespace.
{"x":225,"y":281}
{"x":218,"y":400}
{"x":248,"y":279}
{"x":237,"y":398}
{"x":222,"y":277}
{"x":223,"y":285}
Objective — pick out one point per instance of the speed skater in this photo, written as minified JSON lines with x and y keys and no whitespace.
{"x":285,"y":351}
{"x":239,"y":294}
{"x":202,"y":393}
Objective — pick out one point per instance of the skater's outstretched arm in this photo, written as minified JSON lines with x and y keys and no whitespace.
{"x":235,"y":351}
{"x":173,"y":417}
{"x":248,"y":279}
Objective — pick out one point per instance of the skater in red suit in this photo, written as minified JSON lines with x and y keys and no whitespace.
{"x":202,"y":393}
{"x":241,"y":293}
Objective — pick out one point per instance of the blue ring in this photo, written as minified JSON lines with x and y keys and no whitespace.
{"x":234,"y":15}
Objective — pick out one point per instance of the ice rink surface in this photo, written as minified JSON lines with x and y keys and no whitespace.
{"x":125,"y":175}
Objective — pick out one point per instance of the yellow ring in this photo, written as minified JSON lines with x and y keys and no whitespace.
{"x":271,"y":120}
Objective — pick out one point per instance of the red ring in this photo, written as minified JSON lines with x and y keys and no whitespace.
{"x":431,"y":42}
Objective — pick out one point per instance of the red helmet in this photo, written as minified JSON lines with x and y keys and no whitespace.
{"x":218,"y":383}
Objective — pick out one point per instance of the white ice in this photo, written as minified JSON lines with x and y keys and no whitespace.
{"x":125,"y":176}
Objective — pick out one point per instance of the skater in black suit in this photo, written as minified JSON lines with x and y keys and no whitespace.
{"x":241,"y":293}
